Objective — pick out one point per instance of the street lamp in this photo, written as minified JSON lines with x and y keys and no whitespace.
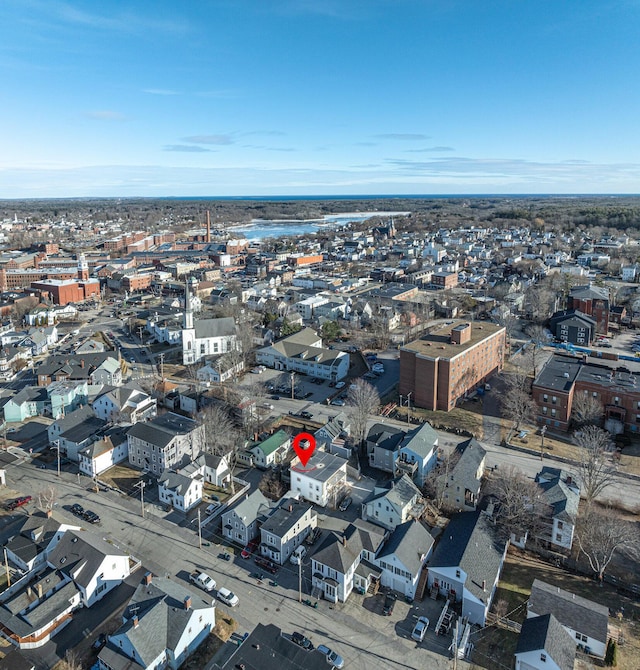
{"x":543,"y":430}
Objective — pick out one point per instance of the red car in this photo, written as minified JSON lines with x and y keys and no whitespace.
{"x":249,"y":549}
{"x":19,"y":502}
{"x":268,"y":565}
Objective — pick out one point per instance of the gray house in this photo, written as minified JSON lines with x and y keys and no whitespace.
{"x":462,"y":480}
{"x":585,"y":620}
{"x":286,"y":528}
{"x":383,"y":443}
{"x":166,"y":441}
{"x":466,"y":564}
{"x":543,"y":644}
{"x":240,"y":524}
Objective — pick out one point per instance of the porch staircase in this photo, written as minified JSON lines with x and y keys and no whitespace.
{"x":422,"y":583}
{"x":373,"y":587}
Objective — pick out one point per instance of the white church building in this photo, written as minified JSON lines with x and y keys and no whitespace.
{"x":204,"y":338}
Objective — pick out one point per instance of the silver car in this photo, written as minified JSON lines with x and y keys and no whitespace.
{"x":332,"y":658}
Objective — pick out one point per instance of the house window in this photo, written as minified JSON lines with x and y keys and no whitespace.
{"x":544,"y":410}
{"x":543,"y":658}
{"x":560,"y":525}
{"x":616,"y":400}
{"x":581,"y":638}
{"x":458,"y":574}
{"x":554,"y":400}
{"x":558,"y":537}
{"x":553,"y":412}
{"x":545,"y":398}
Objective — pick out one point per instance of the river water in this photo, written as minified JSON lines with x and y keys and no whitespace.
{"x":259,"y":229}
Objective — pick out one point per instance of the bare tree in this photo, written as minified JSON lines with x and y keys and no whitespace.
{"x":70,"y":661}
{"x":595,"y":468}
{"x":517,"y":404}
{"x":47,"y":498}
{"x":535,"y":350}
{"x":523,"y":509}
{"x":271,"y":485}
{"x":222,"y":436}
{"x":435,"y":485}
{"x":586,"y":410}
{"x":601,"y":533}
{"x":539,"y":302}
{"x":362,"y":400}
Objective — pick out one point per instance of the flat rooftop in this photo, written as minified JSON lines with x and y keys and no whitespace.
{"x":437,"y":344}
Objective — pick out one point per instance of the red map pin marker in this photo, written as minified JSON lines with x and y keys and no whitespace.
{"x":304,"y":445}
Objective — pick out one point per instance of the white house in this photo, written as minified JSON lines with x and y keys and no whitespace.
{"x":181,"y":492}
{"x":270,"y":451}
{"x":321,"y":481}
{"x":306,"y":307}
{"x":163,"y":624}
{"x":344,"y":561}
{"x":562,"y":494}
{"x":585,"y":620}
{"x":125,"y":403}
{"x":303,"y":352}
{"x":212,"y":469}
{"x":104,"y":453}
{"x":402,"y":557}
{"x":543,"y":644}
{"x":394,"y":503}
{"x":95,"y":566}
{"x":220,"y":370}
{"x":38,"y":537}
{"x":417,"y":454}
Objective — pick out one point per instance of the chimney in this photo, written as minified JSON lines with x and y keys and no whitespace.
{"x":569,"y":480}
{"x":48,"y":512}
{"x":135,"y":620}
{"x":147,"y":578}
{"x":344,"y":540}
{"x":39,"y":588}
{"x":187,"y":603}
{"x":290,"y":507}
{"x":484,"y":584}
{"x":82,"y":362}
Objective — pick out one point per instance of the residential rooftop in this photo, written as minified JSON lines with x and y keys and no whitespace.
{"x":438,"y":344}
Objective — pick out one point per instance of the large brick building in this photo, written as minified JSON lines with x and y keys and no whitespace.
{"x":593,"y":301}
{"x":615,"y":384}
{"x":444,"y":365}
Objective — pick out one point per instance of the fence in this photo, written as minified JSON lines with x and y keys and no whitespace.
{"x":502,"y":622}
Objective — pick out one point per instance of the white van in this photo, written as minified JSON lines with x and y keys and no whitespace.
{"x":298,"y":555}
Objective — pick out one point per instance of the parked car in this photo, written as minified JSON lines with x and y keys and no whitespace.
{"x":298,"y":555}
{"x":19,"y":502}
{"x":313,"y":536}
{"x":268,"y":565}
{"x":306,"y":415}
{"x":90,"y":516}
{"x":212,"y":508}
{"x":203,"y":580}
{"x":302,"y":641}
{"x":99,"y":642}
{"x":249,"y":549}
{"x":333,"y":659}
{"x":340,"y":385}
{"x":338,"y":402}
{"x":76,"y":510}
{"x":389,"y":604}
{"x":420,"y":629}
{"x":228,"y":597}
{"x":345,"y":504}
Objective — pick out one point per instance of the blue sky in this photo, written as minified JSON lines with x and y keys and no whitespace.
{"x":293,"y":97}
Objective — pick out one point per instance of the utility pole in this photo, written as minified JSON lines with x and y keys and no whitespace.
{"x":6,"y":565}
{"x":199,"y":530}
{"x":162,"y":366}
{"x":300,"y":581}
{"x":57,"y":448}
{"x":455,"y":646}
{"x":292,"y":374}
{"x":409,"y":406}
{"x":141,"y":486}
{"x":543,"y":430}
{"x":140,"y":329}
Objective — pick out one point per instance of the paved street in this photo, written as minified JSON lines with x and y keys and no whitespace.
{"x":356,"y":629}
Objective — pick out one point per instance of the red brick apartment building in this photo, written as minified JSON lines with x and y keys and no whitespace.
{"x":444,"y":365}
{"x":616,"y":384}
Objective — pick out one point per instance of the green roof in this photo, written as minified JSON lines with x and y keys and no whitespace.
{"x":273,"y":443}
